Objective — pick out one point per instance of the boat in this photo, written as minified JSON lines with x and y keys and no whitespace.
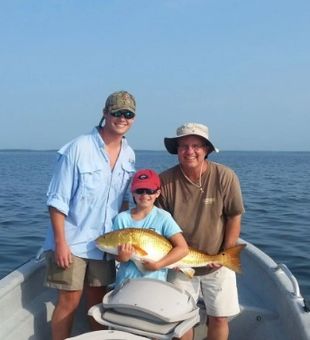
{"x":272,"y":306}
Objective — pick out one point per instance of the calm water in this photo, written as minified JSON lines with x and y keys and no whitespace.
{"x":275,"y":185}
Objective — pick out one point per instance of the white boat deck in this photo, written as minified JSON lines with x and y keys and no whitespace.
{"x":271,"y":304}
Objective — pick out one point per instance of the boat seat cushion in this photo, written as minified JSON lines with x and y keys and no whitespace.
{"x":138,"y":323}
{"x":138,"y":297}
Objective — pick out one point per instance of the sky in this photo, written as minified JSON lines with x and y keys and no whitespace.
{"x":241,"y":67}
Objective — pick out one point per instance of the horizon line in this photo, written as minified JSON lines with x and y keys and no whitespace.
{"x":149,"y":150}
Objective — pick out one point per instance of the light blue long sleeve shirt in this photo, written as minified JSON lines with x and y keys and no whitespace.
{"x":88,"y":192}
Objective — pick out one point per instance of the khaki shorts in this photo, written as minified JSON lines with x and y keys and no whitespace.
{"x":94,"y":273}
{"x":218,"y":290}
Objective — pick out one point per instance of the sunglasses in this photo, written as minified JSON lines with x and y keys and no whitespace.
{"x":125,"y":114}
{"x":145,"y":191}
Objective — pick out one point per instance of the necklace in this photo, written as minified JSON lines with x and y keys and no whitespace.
{"x":199,"y":185}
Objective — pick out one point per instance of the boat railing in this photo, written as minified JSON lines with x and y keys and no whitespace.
{"x":40,"y":256}
{"x":292,"y":278}
{"x":296,"y":290}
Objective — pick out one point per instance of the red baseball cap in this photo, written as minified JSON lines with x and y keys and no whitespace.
{"x":145,"y":179}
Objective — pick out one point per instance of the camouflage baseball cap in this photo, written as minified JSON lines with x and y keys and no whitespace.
{"x":120,"y":100}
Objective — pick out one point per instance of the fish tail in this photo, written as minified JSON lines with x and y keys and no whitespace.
{"x":233,"y":257}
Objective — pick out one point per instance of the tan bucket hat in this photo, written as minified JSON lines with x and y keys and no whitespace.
{"x":187,"y":129}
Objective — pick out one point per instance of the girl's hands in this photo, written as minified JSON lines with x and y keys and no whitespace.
{"x":125,"y":252}
{"x":151,"y":266}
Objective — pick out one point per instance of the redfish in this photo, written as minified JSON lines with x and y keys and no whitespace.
{"x":151,"y":246}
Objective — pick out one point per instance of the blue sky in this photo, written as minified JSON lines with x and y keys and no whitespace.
{"x":240,"y":67}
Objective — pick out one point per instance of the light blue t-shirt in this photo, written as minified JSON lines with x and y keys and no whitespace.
{"x":157,"y":220}
{"x":88,"y":192}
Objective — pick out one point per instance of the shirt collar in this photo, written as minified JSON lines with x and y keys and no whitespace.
{"x":100,"y":142}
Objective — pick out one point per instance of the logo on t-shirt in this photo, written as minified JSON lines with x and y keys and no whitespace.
{"x":209,"y":200}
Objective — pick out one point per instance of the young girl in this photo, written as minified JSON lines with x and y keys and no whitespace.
{"x":145,"y":189}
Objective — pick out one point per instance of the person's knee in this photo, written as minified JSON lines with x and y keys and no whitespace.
{"x":217,"y":321}
{"x":69,"y":300}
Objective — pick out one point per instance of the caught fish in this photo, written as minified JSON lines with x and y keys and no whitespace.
{"x":151,"y":246}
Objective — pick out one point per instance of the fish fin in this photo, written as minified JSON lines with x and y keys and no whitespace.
{"x":139,"y":265}
{"x":233,"y":254}
{"x":189,"y":272}
{"x":139,"y":251}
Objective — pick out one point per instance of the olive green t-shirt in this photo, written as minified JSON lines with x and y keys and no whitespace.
{"x":201,"y":214}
